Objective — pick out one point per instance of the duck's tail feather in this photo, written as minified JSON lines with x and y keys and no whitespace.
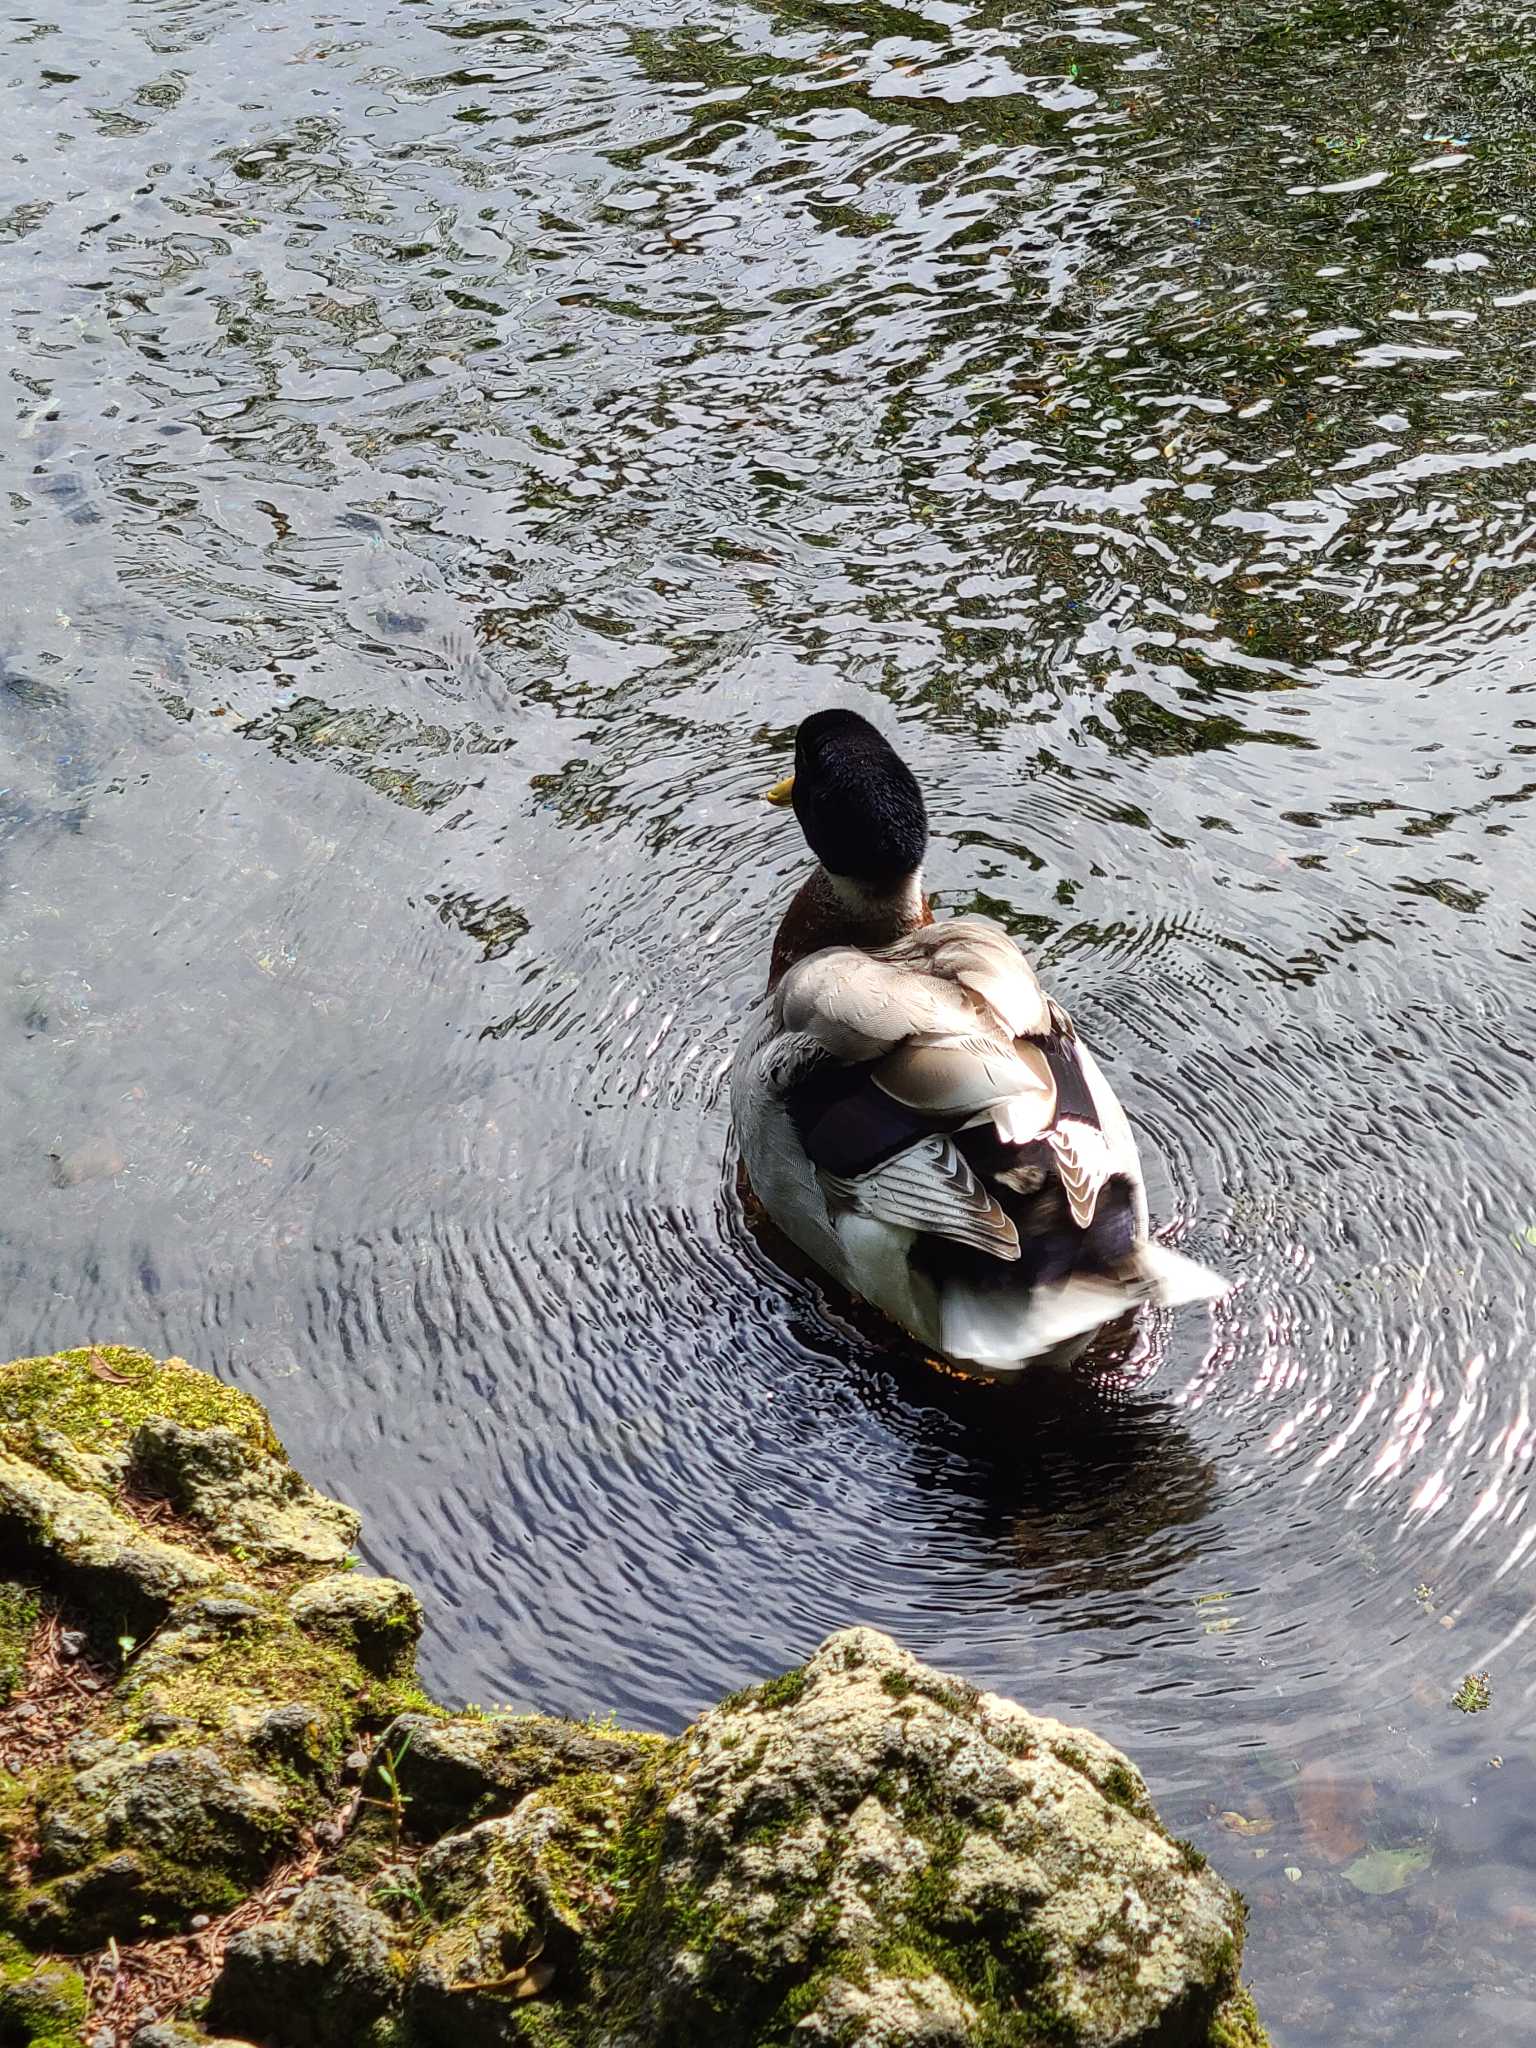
{"x":1171,"y":1280}
{"x":991,"y":1328}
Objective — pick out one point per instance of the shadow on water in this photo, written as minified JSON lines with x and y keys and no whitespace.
{"x":1085,"y":1489}
{"x":1081,"y":1483}
{"x":47,"y":768}
{"x":448,"y":454}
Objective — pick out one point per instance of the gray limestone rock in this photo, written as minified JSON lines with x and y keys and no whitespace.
{"x":378,"y":1620}
{"x":256,"y":1502}
{"x":147,"y":1834}
{"x":881,"y":1855}
{"x":112,"y":1561}
{"x":317,"y":1978}
{"x":461,"y":1769}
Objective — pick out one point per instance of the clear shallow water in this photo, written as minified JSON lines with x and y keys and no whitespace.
{"x":449,"y":452}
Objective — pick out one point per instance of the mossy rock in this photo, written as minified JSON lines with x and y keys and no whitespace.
{"x":1237,"y":2024}
{"x":861,"y":1852}
{"x":132,"y":1840}
{"x":39,"y":2001}
{"x":86,"y":1434}
{"x":457,"y":1769}
{"x":319,"y":1977}
{"x":221,"y":1740}
{"x":876,"y":1853}
{"x":96,"y":1397}
{"x":247,"y":1497}
{"x":123,"y":1576}
{"x":222,"y":1671}
{"x":517,"y":1905}
{"x":224,"y":1734}
{"x":378,"y":1621}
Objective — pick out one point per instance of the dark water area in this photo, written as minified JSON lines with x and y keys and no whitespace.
{"x":447,"y":452}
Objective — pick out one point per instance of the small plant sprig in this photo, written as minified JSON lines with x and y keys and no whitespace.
{"x":396,"y":1799}
{"x":404,"y":1891}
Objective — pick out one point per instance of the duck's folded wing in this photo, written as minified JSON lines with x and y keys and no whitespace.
{"x":909,"y":1058}
{"x":966,"y":1077}
{"x":980,"y":956}
{"x":937,"y":1024}
{"x":858,"y":1005}
{"x":927,"y":1187}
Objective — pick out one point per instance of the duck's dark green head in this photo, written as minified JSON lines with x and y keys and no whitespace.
{"x":857,"y":801}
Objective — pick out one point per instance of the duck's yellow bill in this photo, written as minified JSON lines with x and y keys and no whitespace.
{"x":781,"y":792}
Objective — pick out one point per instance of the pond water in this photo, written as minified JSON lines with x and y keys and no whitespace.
{"x":450,"y":451}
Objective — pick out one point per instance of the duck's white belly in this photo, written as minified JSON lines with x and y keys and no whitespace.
{"x":868,"y":1257}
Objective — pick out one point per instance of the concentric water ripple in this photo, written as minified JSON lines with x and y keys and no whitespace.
{"x":448,"y":455}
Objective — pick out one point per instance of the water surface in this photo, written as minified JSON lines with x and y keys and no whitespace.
{"x":450,"y":450}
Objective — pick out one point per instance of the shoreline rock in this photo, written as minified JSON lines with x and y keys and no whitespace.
{"x":224,"y":1789}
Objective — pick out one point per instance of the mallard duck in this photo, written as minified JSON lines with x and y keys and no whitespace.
{"x":915,"y":1113}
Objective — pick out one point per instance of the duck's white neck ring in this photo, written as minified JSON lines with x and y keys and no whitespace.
{"x":900,"y":907}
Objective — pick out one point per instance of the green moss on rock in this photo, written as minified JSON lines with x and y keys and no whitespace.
{"x":222,"y":1739}
{"x":249,"y":1500}
{"x":96,"y":1398}
{"x":224,"y":1734}
{"x":122,"y":1575}
{"x":20,"y":1612}
{"x":772,"y":1693}
{"x":1237,"y":2024}
{"x":516,"y":1904}
{"x":377,"y":1621}
{"x":40,"y":2002}
{"x":456,"y":1769}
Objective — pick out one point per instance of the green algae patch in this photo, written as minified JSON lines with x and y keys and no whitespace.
{"x":1382,"y":1871}
{"x":1474,"y":1694}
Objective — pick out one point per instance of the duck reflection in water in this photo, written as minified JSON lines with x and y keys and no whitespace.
{"x":1071,"y":1480}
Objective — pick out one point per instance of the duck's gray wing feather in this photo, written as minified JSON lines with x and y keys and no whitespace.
{"x":910,"y":1053}
{"x":927,"y":1187}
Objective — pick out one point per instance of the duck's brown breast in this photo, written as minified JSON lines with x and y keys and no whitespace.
{"x":818,"y":916}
